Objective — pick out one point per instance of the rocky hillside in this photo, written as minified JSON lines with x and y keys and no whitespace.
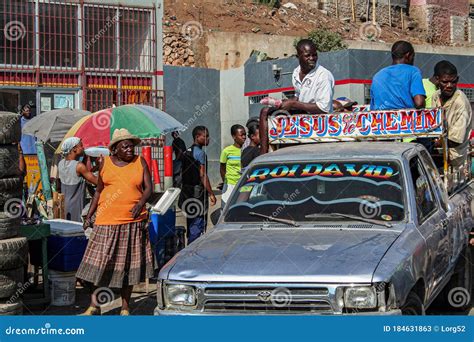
{"x":185,"y":20}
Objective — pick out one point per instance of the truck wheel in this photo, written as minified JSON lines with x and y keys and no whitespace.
{"x":10,"y":309}
{"x":10,"y":281}
{"x":9,"y":226}
{"x":13,"y":253}
{"x":456,"y":296}
{"x":10,"y":191}
{"x":413,"y":305}
{"x":11,"y":128}
{"x":9,"y":161}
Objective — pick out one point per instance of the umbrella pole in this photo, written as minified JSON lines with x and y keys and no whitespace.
{"x":45,"y":177}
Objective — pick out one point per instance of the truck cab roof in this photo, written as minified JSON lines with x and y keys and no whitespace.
{"x":339,"y":150}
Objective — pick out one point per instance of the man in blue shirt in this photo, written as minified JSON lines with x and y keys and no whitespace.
{"x":196,"y":187}
{"x":399,"y":85}
{"x":27,"y":141}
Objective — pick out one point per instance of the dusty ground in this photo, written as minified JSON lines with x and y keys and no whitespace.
{"x":143,"y":300}
{"x":244,"y":16}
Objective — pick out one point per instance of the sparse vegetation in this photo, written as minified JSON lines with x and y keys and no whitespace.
{"x":270,"y":3}
{"x":326,"y":40}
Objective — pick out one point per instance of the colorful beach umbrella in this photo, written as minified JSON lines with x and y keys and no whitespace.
{"x":143,"y":121}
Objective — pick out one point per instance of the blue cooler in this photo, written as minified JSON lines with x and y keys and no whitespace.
{"x":162,"y":230}
{"x":66,"y":245}
{"x":162,"y":226}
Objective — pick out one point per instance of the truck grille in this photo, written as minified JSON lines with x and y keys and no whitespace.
{"x":267,"y":299}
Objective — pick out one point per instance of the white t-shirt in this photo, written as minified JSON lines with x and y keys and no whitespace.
{"x":317,"y":87}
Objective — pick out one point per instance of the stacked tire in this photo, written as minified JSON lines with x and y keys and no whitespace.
{"x":13,"y":249}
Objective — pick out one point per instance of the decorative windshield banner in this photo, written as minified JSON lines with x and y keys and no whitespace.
{"x":300,"y":171}
{"x":286,"y":128}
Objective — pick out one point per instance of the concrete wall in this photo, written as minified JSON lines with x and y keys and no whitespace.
{"x":227,"y":50}
{"x":234,"y":106}
{"x":353,"y":67}
{"x":193,"y":98}
{"x":197,"y":96}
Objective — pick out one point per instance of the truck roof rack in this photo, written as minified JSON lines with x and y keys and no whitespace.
{"x":286,"y":128}
{"x":279,"y":128}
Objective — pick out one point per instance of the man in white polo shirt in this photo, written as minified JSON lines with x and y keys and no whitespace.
{"x":313,"y":83}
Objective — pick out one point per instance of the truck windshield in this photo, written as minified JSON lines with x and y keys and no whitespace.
{"x":312,"y":191}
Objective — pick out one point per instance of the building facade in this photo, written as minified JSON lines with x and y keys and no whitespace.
{"x":81,"y":54}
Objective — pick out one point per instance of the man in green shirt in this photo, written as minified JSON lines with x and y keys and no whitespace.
{"x":430,"y":85}
{"x":230,"y":162}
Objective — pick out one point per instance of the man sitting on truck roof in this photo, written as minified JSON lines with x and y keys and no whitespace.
{"x":457,"y":109}
{"x":399,"y":85}
{"x":313,"y":83}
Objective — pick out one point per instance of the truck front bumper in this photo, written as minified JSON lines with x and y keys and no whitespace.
{"x":158,"y":312}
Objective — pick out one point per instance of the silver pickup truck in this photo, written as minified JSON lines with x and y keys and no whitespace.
{"x":370,"y":230}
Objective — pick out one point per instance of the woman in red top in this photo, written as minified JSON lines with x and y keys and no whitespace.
{"x":119,"y":254}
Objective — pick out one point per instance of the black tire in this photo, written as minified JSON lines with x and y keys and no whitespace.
{"x":10,"y":189}
{"x":456,"y":295}
{"x":413,"y":305}
{"x":10,"y":309}
{"x":10,"y":281}
{"x":9,"y":225}
{"x":13,"y":253}
{"x":10,"y":128}
{"x":9,"y":161}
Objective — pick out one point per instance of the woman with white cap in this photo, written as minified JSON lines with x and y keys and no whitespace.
{"x":119,"y":253}
{"x":72,"y":175}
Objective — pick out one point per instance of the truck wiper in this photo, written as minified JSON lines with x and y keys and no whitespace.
{"x":275,"y":219}
{"x":352,"y":217}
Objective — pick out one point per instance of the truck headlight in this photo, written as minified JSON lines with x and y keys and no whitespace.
{"x":363,"y":297}
{"x":180,"y":295}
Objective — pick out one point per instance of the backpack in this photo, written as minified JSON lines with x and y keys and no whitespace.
{"x":190,"y":168}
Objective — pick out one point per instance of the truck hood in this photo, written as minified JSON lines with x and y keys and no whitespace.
{"x":282,"y":255}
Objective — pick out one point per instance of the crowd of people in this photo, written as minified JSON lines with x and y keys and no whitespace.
{"x":119,"y":252}
{"x":397,"y":86}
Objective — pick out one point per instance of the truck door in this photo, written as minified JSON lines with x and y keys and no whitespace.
{"x":432,"y":224}
{"x":443,"y":200}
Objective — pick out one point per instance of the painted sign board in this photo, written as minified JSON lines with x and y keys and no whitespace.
{"x":286,"y":128}
{"x":32,"y":172}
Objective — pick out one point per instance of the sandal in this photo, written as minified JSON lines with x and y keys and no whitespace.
{"x":91,"y":311}
{"x":124,"y":312}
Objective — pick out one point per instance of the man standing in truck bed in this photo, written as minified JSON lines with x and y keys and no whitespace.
{"x":458,"y":111}
{"x":313,"y":83}
{"x":399,"y":85}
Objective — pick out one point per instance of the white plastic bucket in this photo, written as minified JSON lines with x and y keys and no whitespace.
{"x":63,"y":288}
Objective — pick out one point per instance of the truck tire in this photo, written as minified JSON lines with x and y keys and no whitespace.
{"x":10,"y":189}
{"x":11,"y":128}
{"x":9,"y":161}
{"x":10,"y":281}
{"x":456,"y":295}
{"x":9,"y":225}
{"x":13,"y":253}
{"x":413,"y":305}
{"x":11,"y":309}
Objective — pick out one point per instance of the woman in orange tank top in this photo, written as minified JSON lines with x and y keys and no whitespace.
{"x":119,"y":254}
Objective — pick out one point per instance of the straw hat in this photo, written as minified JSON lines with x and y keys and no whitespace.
{"x":123,"y":134}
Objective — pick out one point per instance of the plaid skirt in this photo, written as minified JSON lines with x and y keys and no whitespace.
{"x":117,"y":255}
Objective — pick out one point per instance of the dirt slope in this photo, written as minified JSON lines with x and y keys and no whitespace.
{"x":244,"y":16}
